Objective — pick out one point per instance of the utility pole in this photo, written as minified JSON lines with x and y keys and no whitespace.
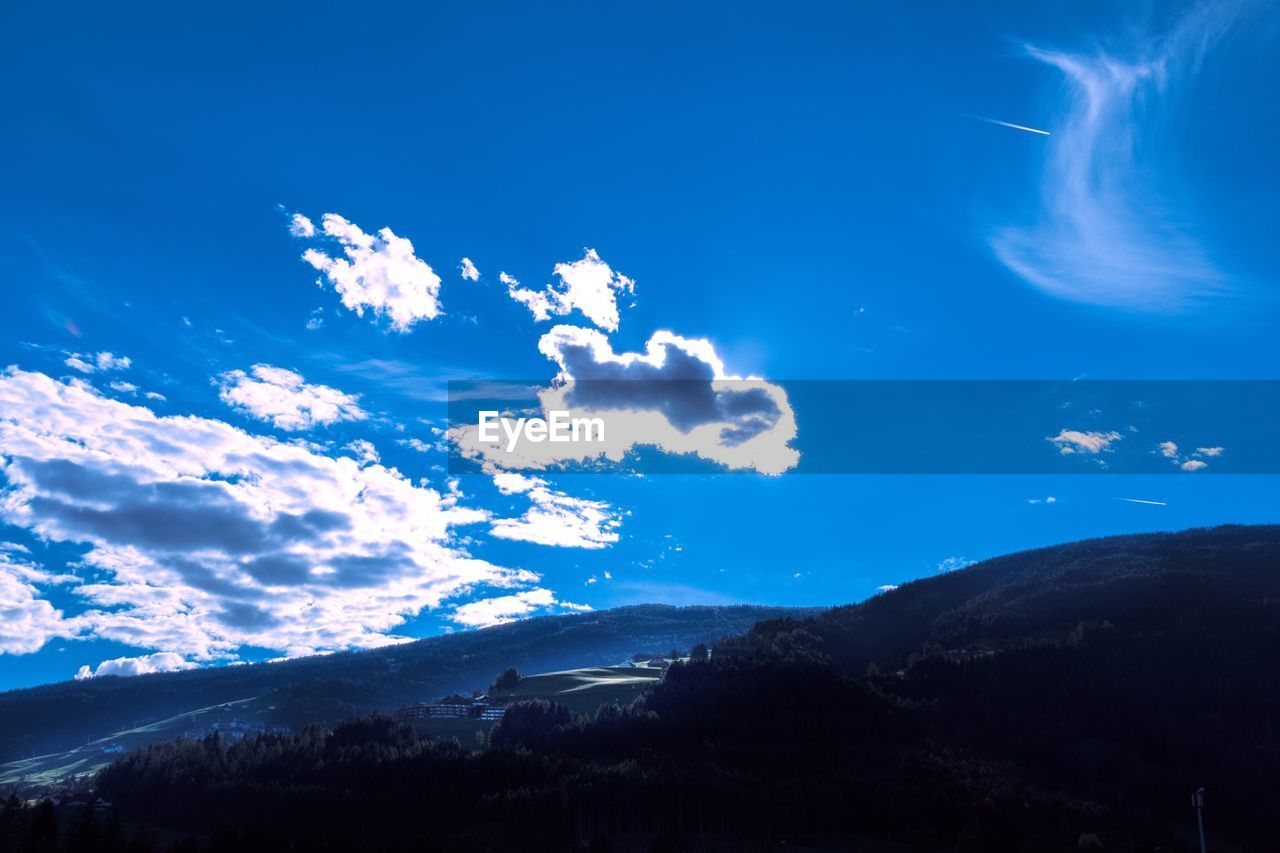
{"x":1197,"y":803}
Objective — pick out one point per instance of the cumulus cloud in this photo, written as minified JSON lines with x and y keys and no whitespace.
{"x":379,"y":272}
{"x":676,"y":396}
{"x":285,"y":400}
{"x":554,"y":518}
{"x":1074,"y":441}
{"x":97,"y":362}
{"x":508,"y":608}
{"x":468,"y":270}
{"x":142,"y":665}
{"x":588,"y":285}
{"x":1106,"y":235}
{"x":200,"y":538}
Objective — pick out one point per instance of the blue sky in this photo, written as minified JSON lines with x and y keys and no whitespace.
{"x":815,"y":192}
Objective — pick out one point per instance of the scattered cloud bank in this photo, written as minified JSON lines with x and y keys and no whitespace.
{"x":285,"y":400}
{"x":1194,"y":461}
{"x":1092,"y":443}
{"x":554,"y":518}
{"x":376,"y":271}
{"x":1105,"y":235}
{"x":508,"y":608}
{"x":142,"y":665}
{"x":675,"y":396}
{"x":200,"y":537}
{"x":588,"y":285}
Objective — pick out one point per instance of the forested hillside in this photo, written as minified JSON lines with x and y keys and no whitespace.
{"x":1064,"y":699}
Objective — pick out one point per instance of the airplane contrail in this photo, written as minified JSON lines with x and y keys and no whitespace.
{"x":1141,"y":501}
{"x":1016,"y":126}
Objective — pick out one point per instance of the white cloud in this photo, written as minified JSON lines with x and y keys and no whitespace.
{"x":675,"y":396}
{"x":886,"y":587}
{"x":284,"y":399}
{"x":951,"y":564}
{"x":123,"y":387}
{"x":1188,"y":462}
{"x":588,"y":285}
{"x":379,"y":272}
{"x":468,"y":270}
{"x":93,"y":363}
{"x":141,"y":665}
{"x":1106,"y":235}
{"x":554,"y":518}
{"x":201,"y":538}
{"x":364,"y":451}
{"x":1074,"y":441}
{"x":422,"y":446}
{"x":27,"y":621}
{"x":508,"y":608}
{"x":301,"y":226}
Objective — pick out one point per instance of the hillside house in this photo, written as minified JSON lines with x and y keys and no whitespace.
{"x":450,"y":708}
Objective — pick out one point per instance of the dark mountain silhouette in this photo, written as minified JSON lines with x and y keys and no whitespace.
{"x":331,"y":688}
{"x":1062,"y":699}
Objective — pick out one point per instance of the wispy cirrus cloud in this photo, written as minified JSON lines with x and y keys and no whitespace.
{"x":1107,"y":234}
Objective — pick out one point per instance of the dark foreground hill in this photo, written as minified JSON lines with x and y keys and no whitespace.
{"x":1063,"y":699}
{"x":329,"y":689}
